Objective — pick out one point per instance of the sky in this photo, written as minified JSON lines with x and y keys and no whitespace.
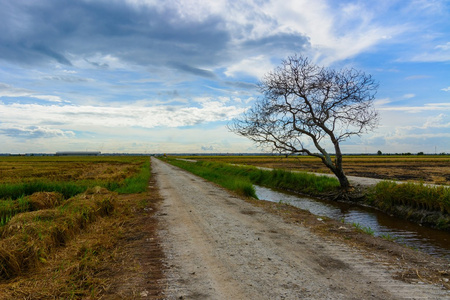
{"x":154,"y":76}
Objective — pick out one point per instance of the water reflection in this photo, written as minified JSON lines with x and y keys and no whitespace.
{"x":431,"y":241}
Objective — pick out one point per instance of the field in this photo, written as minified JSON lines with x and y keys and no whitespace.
{"x":62,"y":224}
{"x":419,"y":168}
{"x":15,"y":169}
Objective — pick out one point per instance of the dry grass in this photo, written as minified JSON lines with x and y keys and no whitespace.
{"x":87,"y":247}
{"x":30,"y":237}
{"x":44,"y":200}
{"x":25,"y":169}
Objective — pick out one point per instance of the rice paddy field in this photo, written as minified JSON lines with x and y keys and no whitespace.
{"x":62,"y":220}
{"x":14,"y":169}
{"x":418,"y":168}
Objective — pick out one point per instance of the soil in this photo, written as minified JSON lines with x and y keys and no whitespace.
{"x":217,"y":245}
{"x":138,"y":272}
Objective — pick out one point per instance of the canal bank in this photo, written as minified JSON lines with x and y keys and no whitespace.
{"x":374,"y":222}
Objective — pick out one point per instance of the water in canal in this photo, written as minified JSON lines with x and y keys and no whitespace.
{"x":431,"y":241}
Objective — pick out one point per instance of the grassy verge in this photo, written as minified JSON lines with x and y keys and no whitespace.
{"x":434,"y":198}
{"x":241,"y":179}
{"x":428,"y":205}
{"x":229,"y":177}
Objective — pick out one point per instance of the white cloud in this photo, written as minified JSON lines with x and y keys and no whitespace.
{"x":18,"y":131}
{"x":415,"y":77}
{"x":381,"y":102}
{"x":7,"y":90}
{"x":75,"y":117}
{"x":439,"y":121}
{"x":255,"y":66}
{"x":444,"y":47}
{"x":418,"y":109}
{"x":48,"y":98}
{"x":335,"y":33}
{"x":408,"y":96}
{"x":440,"y":53}
{"x":446,"y":89}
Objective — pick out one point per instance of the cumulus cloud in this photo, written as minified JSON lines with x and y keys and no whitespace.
{"x":439,"y":121}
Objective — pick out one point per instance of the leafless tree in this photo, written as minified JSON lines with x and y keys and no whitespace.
{"x":303,"y":104}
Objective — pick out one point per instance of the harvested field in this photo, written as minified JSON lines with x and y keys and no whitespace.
{"x":87,"y":246}
{"x":74,"y":168}
{"x":420,"y":168}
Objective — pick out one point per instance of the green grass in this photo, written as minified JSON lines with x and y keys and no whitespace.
{"x":241,"y":179}
{"x":389,"y":237}
{"x":363,"y":229}
{"x":137,"y":183}
{"x":232,"y":178}
{"x":294,"y":181}
{"x":387,"y":194}
{"x":9,"y":208}
{"x":68,"y":189}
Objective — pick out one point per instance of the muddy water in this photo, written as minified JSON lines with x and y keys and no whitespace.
{"x":431,"y":241}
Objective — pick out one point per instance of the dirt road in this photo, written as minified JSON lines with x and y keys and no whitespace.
{"x":218,"y":246}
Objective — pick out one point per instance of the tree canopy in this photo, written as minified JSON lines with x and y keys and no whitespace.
{"x":305,"y":107}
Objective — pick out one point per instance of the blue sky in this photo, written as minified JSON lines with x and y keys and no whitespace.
{"x":167,"y":76}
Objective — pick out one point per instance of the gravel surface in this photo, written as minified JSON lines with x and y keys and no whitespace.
{"x":218,"y":246}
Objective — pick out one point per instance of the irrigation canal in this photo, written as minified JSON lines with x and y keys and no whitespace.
{"x":431,"y":241}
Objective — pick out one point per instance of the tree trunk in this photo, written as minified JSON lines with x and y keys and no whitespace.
{"x":343,"y":180}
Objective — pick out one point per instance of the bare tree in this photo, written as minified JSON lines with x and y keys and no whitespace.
{"x":303,"y":104}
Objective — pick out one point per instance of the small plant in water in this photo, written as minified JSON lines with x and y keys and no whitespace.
{"x":364,"y":229}
{"x":388,"y":237}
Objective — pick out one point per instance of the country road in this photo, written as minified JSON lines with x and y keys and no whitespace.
{"x":218,"y":246}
